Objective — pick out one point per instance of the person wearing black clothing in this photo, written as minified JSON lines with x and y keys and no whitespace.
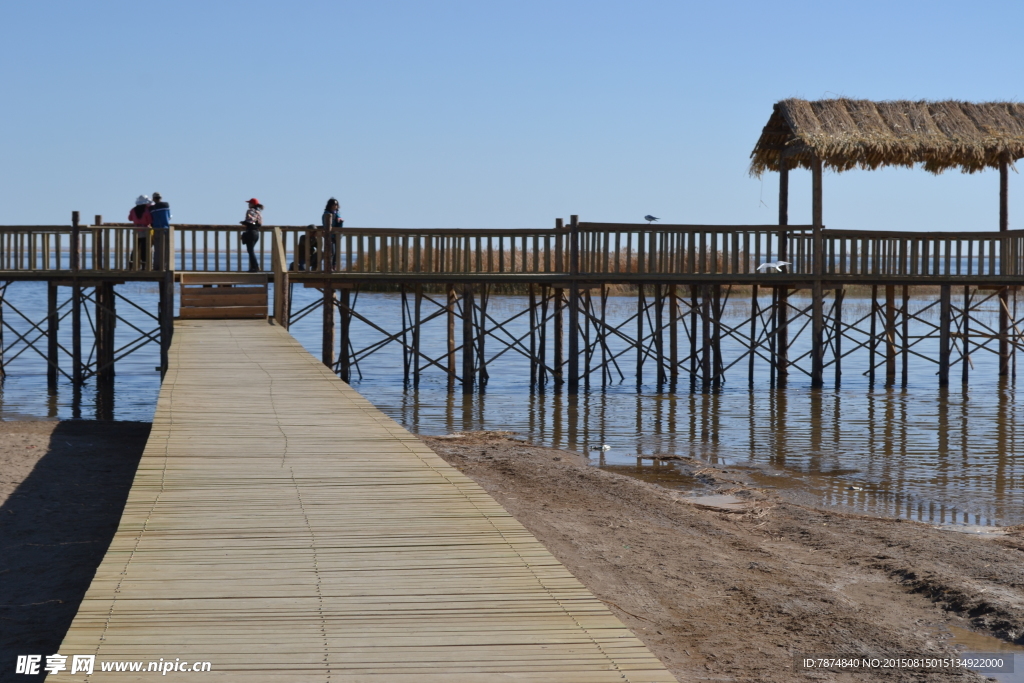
{"x":331,"y":221}
{"x":251,"y":235}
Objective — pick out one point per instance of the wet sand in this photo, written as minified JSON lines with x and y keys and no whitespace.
{"x":717,"y":595}
{"x":734,"y":595}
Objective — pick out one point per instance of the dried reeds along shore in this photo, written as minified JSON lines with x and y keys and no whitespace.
{"x":846,"y":134}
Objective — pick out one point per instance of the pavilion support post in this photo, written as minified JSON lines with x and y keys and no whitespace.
{"x":559,"y":336}
{"x":327,"y":347}
{"x":468,"y":343}
{"x":817,"y":310}
{"x":451,"y":337}
{"x":574,"y":306}
{"x":773,"y":337}
{"x":945,"y":323}
{"x":1004,"y":262}
{"x":52,"y":326}
{"x":890,"y":334}
{"x":782,"y":293}
{"x":345,"y":313}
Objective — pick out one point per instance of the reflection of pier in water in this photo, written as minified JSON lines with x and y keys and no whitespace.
{"x":938,"y":456}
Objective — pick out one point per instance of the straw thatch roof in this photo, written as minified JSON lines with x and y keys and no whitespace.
{"x":848,"y":134}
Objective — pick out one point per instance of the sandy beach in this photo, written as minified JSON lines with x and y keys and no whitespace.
{"x":718,"y":594}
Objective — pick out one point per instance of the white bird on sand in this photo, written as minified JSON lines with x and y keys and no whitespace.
{"x":650,"y":219}
{"x":776,"y":265}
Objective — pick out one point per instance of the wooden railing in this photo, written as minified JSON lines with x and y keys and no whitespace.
{"x":602,"y":248}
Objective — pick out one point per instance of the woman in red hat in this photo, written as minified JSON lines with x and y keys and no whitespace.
{"x":251,"y":235}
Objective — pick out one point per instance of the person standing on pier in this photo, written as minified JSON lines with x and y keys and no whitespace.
{"x":251,"y":235}
{"x":331,"y":221}
{"x":160,"y":212}
{"x":140,"y":217}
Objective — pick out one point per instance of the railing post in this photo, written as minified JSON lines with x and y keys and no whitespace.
{"x":574,"y":305}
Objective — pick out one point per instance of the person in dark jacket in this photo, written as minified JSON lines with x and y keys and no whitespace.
{"x":140,"y":217}
{"x":332,"y":221}
{"x":251,"y":235}
{"x":160,"y":213}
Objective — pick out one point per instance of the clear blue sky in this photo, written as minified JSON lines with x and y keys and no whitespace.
{"x":484,"y":113}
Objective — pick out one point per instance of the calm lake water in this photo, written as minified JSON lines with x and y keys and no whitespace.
{"x":943,"y":456}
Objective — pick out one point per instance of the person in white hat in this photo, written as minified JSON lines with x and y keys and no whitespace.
{"x":142,"y":219}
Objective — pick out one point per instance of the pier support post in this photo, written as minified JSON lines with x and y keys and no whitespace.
{"x":905,"y":346}
{"x":468,"y":342}
{"x":52,"y":326}
{"x":641,"y":304}
{"x":416,"y":335}
{"x":840,"y":294}
{"x":451,"y":337}
{"x":945,"y":323}
{"x":345,"y":313}
{"x":673,"y":335}
{"x":718,"y":372}
{"x":705,"y":359}
{"x":659,"y":333}
{"x":559,"y":336}
{"x":873,"y":335}
{"x":166,"y":320}
{"x":533,"y":335}
{"x":574,"y":306}
{"x":106,"y":318}
{"x":753,"y":335}
{"x":327,"y":345}
{"x":76,"y":303}
{"x":890,"y":334}
{"x":693,"y":337}
{"x":965,"y":369}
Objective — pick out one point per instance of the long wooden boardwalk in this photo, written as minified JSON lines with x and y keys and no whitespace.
{"x":282,"y":528}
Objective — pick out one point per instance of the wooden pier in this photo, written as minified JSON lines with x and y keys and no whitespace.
{"x":681,"y":278}
{"x":282,"y":528}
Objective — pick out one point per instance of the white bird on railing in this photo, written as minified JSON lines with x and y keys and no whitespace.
{"x":650,"y":219}
{"x":776,"y":265}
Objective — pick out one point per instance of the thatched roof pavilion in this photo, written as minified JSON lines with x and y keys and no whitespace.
{"x":846,"y":134}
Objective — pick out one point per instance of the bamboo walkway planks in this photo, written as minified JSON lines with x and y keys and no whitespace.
{"x":282,"y":528}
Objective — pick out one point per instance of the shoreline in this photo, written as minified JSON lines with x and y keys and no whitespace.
{"x":717,"y":593}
